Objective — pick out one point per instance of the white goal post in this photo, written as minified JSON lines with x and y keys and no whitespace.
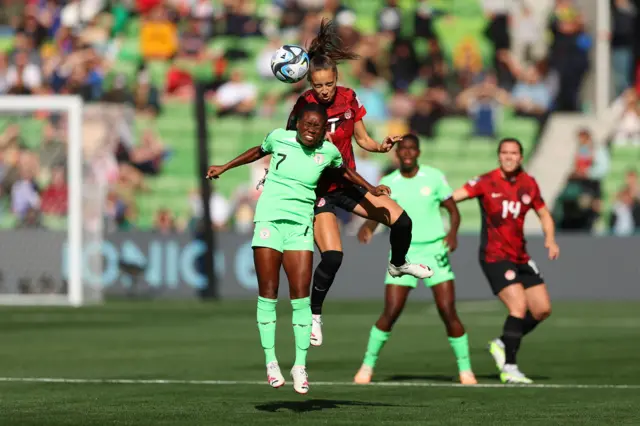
{"x":71,"y":109}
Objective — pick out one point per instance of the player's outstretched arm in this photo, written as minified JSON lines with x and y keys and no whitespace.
{"x":368,"y":144}
{"x":454,"y":223}
{"x":249,"y":156}
{"x":549,"y":229}
{"x":353,"y":177}
{"x":460,"y":194}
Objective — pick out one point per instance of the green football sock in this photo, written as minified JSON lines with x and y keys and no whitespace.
{"x":460,"y":346}
{"x":267,"y":327}
{"x":377,"y":339}
{"x":301,"y":320}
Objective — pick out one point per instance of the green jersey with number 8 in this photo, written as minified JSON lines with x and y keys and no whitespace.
{"x":294,"y":171}
{"x":420,"y":196}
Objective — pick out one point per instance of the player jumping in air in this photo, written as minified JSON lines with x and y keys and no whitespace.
{"x":421,"y":190}
{"x":283,"y":233}
{"x":345,"y":121}
{"x":505,"y":196}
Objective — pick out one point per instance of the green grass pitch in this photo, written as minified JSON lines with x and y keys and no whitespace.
{"x":190,"y":363}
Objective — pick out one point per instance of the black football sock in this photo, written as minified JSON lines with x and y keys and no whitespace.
{"x":400,"y":239}
{"x":511,"y":337}
{"x":323,"y":277}
{"x":529,"y":324}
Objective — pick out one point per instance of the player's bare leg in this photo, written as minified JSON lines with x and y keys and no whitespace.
{"x":384,"y":210}
{"x":445,"y":296}
{"x":298,"y":265}
{"x":394,"y":302}
{"x":327,"y":236}
{"x":267,"y":263}
{"x":505,"y":348}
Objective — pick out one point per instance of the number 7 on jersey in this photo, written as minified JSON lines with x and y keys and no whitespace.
{"x":284,"y":157}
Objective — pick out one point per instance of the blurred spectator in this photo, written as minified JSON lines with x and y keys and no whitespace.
{"x":623,"y":14}
{"x":164,"y":222}
{"x":24,"y":192}
{"x":527,"y":34}
{"x":390,"y":18}
{"x":578,"y":206}
{"x":497,"y":12}
{"x":23,"y":77}
{"x":55,"y":197}
{"x":592,"y":160}
{"x":236,"y":97}
{"x":425,"y":117}
{"x":625,"y":215}
{"x":569,"y":53}
{"x":633,"y":184}
{"x":32,"y":219}
{"x":371,"y":94}
{"x":220,"y":208}
{"x":146,"y":98}
{"x":530,"y":96}
{"x":4,"y":71}
{"x":78,"y":12}
{"x":192,"y":40}
{"x":403,"y":64}
{"x":627,"y":130}
{"x":158,"y":35}
{"x":238,"y":20}
{"x":53,"y":148}
{"x":482,"y":102}
{"x":423,"y":22}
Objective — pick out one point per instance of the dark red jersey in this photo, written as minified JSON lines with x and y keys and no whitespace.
{"x":344,"y":112}
{"x":504,"y":203}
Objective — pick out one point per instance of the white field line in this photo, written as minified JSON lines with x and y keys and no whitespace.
{"x":264,"y":383}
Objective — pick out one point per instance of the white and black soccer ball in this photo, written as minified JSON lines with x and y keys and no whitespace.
{"x":290,"y":63}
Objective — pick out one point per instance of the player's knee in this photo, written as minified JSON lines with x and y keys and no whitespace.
{"x":268,"y":291}
{"x":403,"y":222}
{"x":541,"y":314}
{"x":518,"y":310}
{"x":331,"y":261}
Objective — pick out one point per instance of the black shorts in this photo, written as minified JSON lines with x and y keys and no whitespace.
{"x":347,"y":198}
{"x":504,"y":273}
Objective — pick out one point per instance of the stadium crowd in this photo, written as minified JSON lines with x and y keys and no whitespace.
{"x":411,"y":73}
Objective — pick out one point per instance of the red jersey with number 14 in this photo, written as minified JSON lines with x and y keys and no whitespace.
{"x":504,"y":204}
{"x":344,"y":112}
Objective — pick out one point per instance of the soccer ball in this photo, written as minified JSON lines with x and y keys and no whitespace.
{"x":290,"y":63}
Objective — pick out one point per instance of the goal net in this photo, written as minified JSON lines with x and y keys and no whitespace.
{"x":52,"y":192}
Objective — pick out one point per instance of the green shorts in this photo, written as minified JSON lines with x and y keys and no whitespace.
{"x":283,"y":235}
{"x":433,"y":254}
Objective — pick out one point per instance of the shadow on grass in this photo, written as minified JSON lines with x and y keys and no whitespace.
{"x":450,"y":379}
{"x":316,"y":405}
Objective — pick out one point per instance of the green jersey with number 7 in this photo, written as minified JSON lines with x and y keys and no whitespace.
{"x":294,"y":171}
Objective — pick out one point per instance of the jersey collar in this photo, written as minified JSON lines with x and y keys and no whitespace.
{"x":515,"y":178}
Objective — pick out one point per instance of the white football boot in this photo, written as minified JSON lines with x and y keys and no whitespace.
{"x":512,"y":374}
{"x":274,"y":376}
{"x":414,"y":269}
{"x":496,"y":349}
{"x":300,"y":379}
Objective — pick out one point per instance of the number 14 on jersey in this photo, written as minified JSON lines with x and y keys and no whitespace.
{"x":510,"y":208}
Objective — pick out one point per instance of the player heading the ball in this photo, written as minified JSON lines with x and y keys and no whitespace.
{"x":345,"y":113}
{"x":283,"y":233}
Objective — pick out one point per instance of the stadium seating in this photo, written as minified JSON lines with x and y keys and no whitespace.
{"x":623,"y":159}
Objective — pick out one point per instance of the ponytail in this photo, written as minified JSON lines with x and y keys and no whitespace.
{"x":327,"y":49}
